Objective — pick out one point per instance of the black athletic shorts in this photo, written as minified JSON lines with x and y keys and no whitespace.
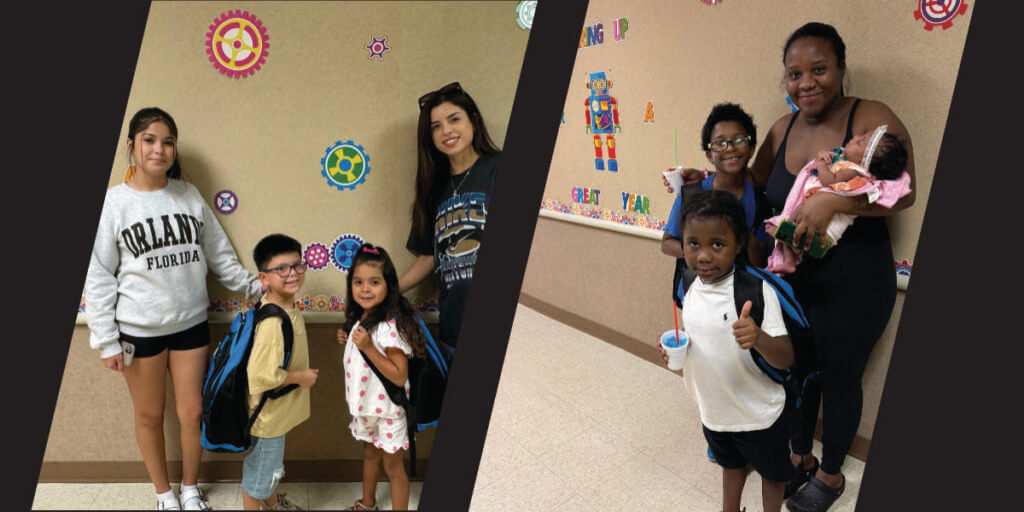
{"x":193,"y":337}
{"x":767,"y":450}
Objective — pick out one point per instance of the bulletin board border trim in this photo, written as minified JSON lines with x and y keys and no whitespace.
{"x":653,"y":234}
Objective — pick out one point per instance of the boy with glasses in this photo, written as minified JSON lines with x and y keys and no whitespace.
{"x":282,"y":272}
{"x":728,"y":139}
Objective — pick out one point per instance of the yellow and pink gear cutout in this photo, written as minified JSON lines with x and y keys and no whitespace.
{"x":237,"y":43}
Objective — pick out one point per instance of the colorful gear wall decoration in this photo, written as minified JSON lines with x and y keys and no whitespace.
{"x":903,"y":267}
{"x":377,"y":47}
{"x":345,"y":165}
{"x":939,"y":12}
{"x":226,"y":202}
{"x":317,"y":256}
{"x":524,"y":14}
{"x":237,"y":43}
{"x":343,"y":249}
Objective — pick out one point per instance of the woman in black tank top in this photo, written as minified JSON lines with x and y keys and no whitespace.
{"x":849,"y":294}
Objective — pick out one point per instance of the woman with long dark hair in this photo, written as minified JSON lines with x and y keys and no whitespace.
{"x":457,"y":164}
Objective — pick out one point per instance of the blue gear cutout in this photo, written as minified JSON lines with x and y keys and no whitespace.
{"x":343,"y":249}
{"x":345,"y":165}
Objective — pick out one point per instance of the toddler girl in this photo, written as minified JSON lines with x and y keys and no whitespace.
{"x":383,"y":329}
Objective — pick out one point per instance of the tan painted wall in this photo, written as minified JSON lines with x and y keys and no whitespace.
{"x":263,"y":136}
{"x":685,"y":57}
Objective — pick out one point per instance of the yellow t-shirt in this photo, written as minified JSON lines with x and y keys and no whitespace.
{"x":282,"y":414}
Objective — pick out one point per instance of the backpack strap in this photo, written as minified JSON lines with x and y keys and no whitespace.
{"x":432,"y":349}
{"x":263,"y":311}
{"x":687,"y":190}
{"x":787,"y":299}
{"x":266,"y":310}
{"x":805,"y":365}
{"x":395,"y":392}
{"x":747,"y":286}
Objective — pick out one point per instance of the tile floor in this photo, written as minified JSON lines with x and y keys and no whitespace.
{"x":309,"y":496}
{"x":580,"y":425}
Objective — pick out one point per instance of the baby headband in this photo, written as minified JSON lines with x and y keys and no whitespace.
{"x":872,"y":144}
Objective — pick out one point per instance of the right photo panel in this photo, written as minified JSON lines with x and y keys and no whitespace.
{"x":725,"y":242}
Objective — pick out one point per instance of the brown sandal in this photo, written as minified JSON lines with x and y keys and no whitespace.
{"x":358,"y":505}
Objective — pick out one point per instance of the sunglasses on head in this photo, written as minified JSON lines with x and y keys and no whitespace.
{"x":448,"y":89}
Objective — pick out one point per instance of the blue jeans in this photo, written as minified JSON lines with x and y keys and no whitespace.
{"x":263,"y":467}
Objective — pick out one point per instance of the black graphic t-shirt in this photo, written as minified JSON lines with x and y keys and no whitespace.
{"x":454,"y":239}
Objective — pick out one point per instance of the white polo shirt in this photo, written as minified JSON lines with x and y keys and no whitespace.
{"x":733,"y":394}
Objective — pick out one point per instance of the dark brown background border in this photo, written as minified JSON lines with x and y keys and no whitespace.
{"x":947,"y":433}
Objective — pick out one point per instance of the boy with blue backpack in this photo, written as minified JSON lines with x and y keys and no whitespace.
{"x":742,"y":405}
{"x":272,"y":368}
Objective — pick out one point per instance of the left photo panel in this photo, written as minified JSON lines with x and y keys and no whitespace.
{"x":290,"y":226}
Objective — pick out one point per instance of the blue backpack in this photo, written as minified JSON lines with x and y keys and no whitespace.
{"x":747,"y":286}
{"x":427,"y":379}
{"x":225,"y":421}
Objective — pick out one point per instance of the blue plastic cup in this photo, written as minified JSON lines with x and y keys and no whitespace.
{"x":675,"y":348}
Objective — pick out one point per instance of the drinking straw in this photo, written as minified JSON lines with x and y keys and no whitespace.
{"x":675,"y":319}
{"x":675,"y":149}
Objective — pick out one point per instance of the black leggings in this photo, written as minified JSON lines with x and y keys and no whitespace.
{"x":848,"y":306}
{"x":840,"y":384}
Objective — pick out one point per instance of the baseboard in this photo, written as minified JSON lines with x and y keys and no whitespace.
{"x":320,"y":470}
{"x":645,"y":351}
{"x":859,"y":449}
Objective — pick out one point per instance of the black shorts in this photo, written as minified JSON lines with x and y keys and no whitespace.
{"x":767,"y":450}
{"x":193,"y":337}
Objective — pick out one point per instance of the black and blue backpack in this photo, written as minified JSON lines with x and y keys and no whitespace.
{"x":747,"y":287}
{"x":225,"y":421}
{"x":427,"y":379}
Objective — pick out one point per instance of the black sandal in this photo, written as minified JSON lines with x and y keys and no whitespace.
{"x":800,"y":478}
{"x":816,"y":496}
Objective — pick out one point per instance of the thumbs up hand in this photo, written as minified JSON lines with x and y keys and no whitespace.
{"x":745,"y":330}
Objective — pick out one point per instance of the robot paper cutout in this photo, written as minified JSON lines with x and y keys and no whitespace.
{"x":602,"y":118}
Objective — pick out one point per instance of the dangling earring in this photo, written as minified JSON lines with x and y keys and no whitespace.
{"x":130,"y":173}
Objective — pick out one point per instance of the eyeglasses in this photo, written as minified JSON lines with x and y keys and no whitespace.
{"x":721,"y":145}
{"x":448,"y":89}
{"x":286,"y":270}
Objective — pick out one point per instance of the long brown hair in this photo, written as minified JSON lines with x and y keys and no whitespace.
{"x":433,"y":166}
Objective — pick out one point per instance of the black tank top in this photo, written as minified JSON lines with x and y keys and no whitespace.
{"x":862,"y":258}
{"x":781,"y":180}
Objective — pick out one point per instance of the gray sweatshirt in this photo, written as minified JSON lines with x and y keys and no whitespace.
{"x":147,"y":275}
